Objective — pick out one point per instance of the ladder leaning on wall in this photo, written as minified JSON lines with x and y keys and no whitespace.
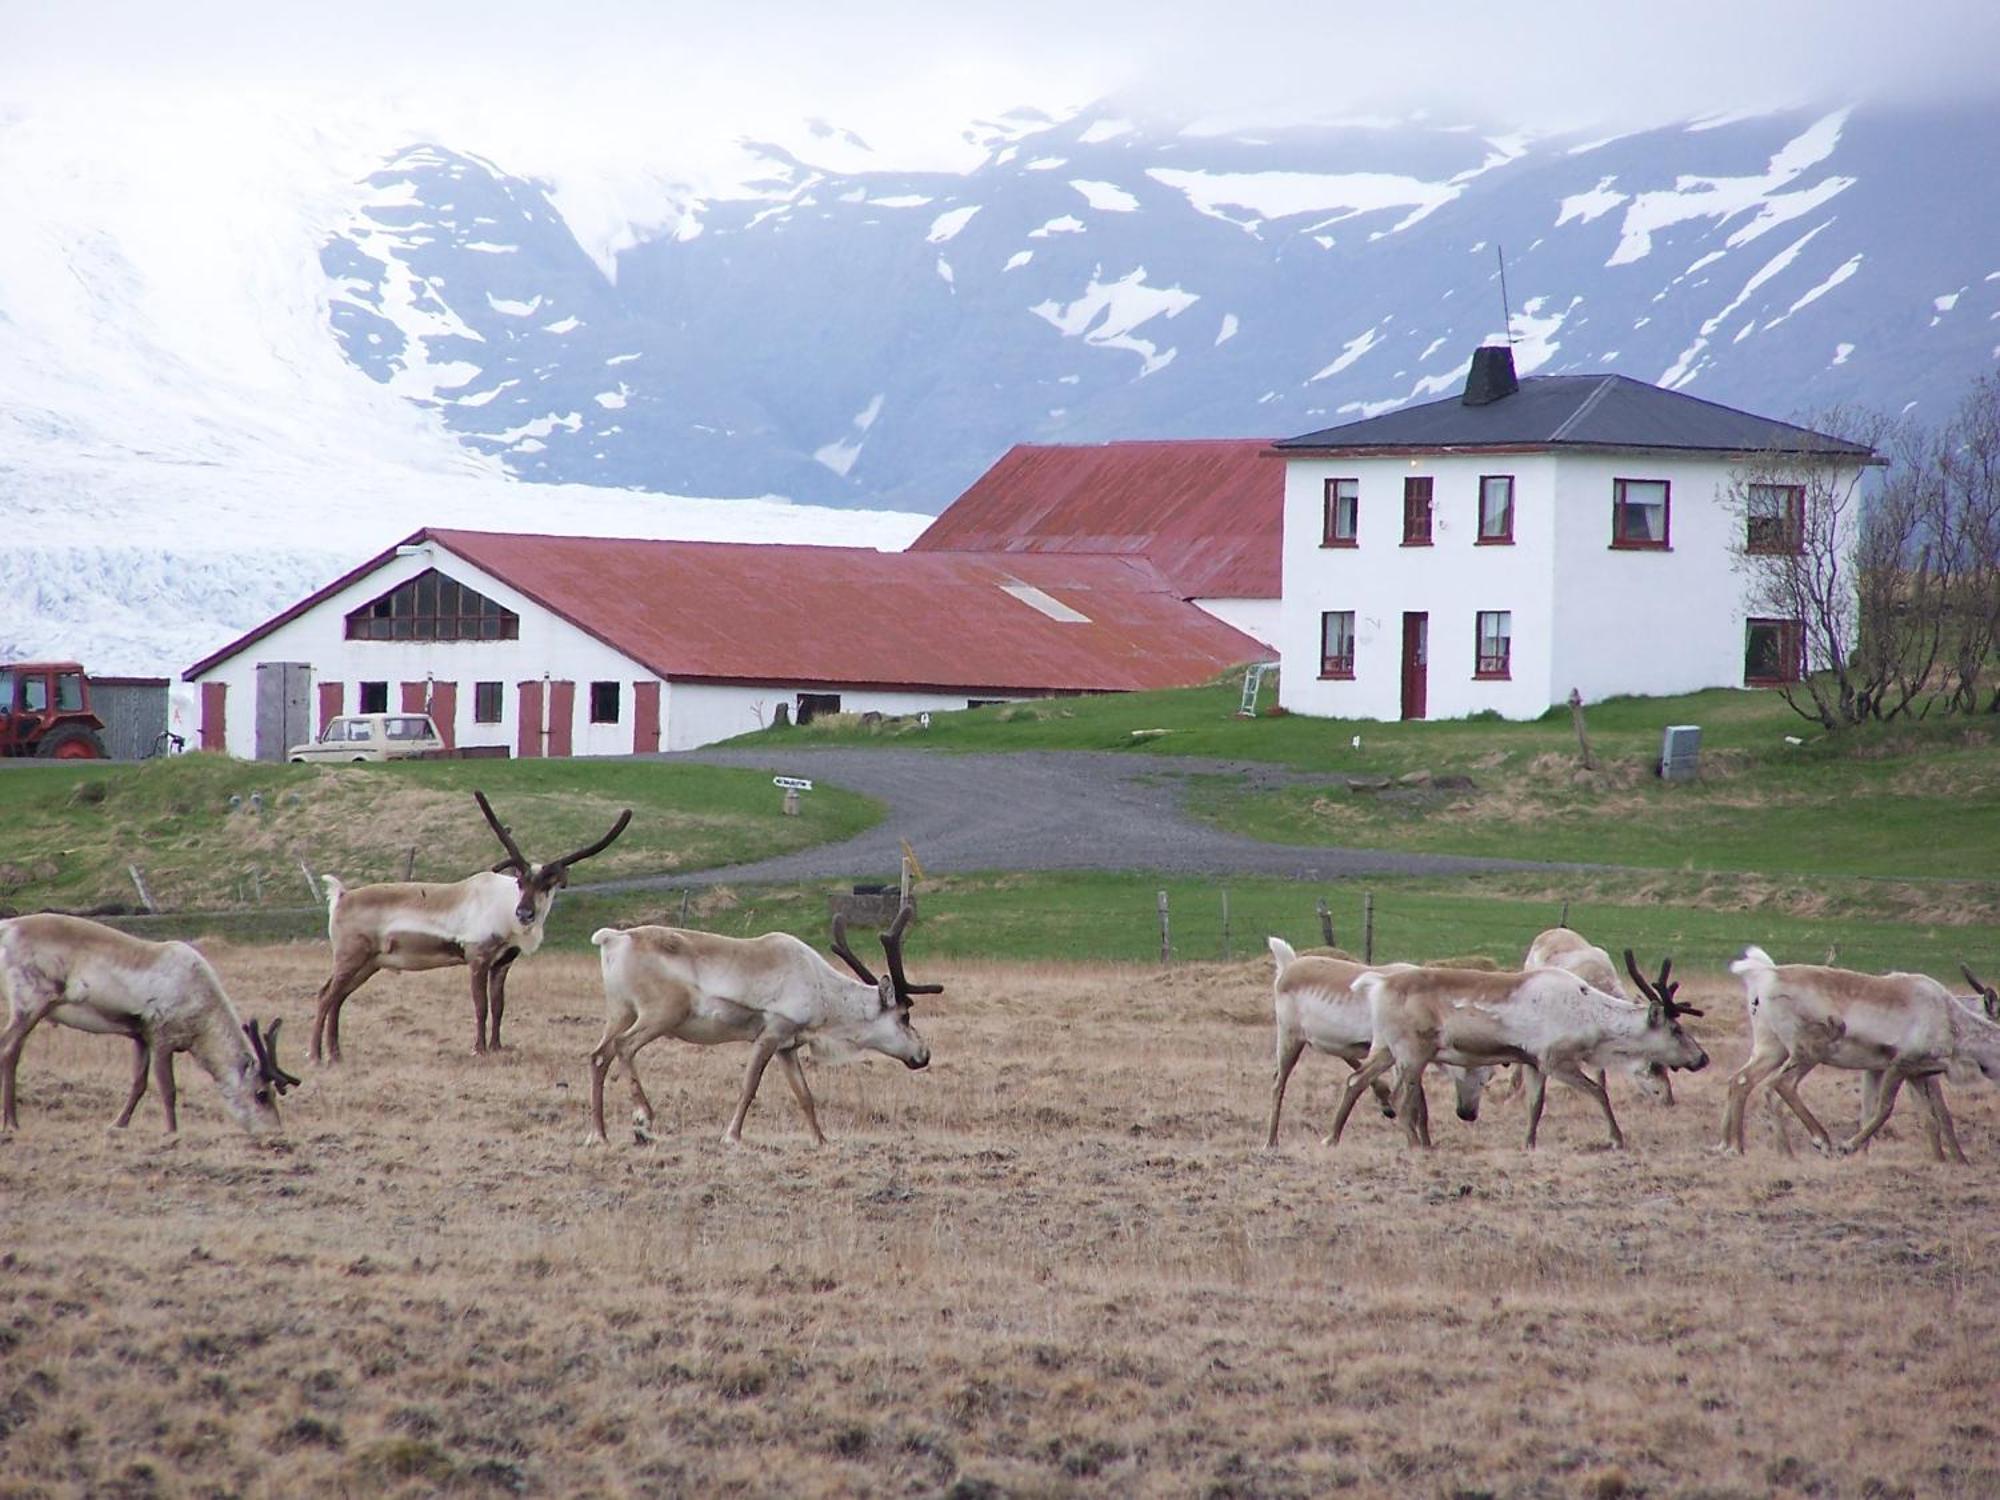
{"x":1253,"y":682}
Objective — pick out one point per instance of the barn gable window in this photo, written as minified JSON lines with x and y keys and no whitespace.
{"x":432,"y":607}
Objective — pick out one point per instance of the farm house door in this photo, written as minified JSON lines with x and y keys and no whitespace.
{"x":1416,"y":663}
{"x":283,"y":719}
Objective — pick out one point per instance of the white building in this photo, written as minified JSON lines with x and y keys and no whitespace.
{"x":1494,"y":550}
{"x":544,"y":645}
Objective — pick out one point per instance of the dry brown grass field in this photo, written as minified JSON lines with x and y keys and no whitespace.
{"x":1053,"y":1264}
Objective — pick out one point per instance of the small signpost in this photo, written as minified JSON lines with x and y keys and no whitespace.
{"x":792,"y":786}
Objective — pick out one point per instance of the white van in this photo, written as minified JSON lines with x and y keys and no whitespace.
{"x":371,"y":737}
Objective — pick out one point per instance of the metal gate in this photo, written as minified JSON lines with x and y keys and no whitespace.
{"x":283,"y":719}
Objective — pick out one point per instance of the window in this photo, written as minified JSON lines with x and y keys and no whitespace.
{"x":1343,"y":513}
{"x":406,"y":728}
{"x":1773,"y":652}
{"x":432,"y":607}
{"x":1639,"y":511}
{"x":1496,"y":510}
{"x":811,"y":705}
{"x":1416,"y":512}
{"x":374,"y":698}
{"x":1777,"y":520}
{"x":1336,"y":643}
{"x":1495,"y":648}
{"x":604,"y":703}
{"x":35,"y":694}
{"x":486,"y":703}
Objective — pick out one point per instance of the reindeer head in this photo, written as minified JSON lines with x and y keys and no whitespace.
{"x":1467,"y":1089}
{"x":889,"y":1031}
{"x":252,"y":1083}
{"x":1988,"y":997}
{"x":539,"y":883}
{"x":1668,"y":1045}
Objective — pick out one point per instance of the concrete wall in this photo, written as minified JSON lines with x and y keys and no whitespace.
{"x":700,"y":713}
{"x":1260,"y":619}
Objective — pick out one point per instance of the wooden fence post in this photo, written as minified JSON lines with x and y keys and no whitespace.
{"x":1326,"y":924}
{"x":1582,"y":739}
{"x":1228,"y":949}
{"x":1368,"y":928}
{"x":145,"y":896}
{"x":1166,"y":935}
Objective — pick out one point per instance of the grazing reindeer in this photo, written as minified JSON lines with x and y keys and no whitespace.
{"x":1546,"y":1020}
{"x":1563,"y":948}
{"x":164,"y":996}
{"x":1901,"y":1028}
{"x":1315,"y":1006}
{"x":484,"y":921}
{"x":772,"y":990}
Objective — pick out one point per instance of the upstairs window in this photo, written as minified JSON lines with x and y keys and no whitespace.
{"x":604,"y":703}
{"x":1773,"y":652}
{"x":1495,"y":650}
{"x":1496,"y":509}
{"x":1777,"y":519}
{"x":1342,"y":519}
{"x":1336,"y":643}
{"x":1640,"y":511}
{"x":432,"y":607}
{"x":1416,"y":512}
{"x":486,"y":702}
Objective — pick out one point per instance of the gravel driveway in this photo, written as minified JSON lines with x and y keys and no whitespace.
{"x":1043,"y":810}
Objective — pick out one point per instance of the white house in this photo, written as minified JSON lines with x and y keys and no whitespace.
{"x":1494,"y":550}
{"x":547,"y":645}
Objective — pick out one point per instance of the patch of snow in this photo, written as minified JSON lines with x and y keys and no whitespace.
{"x":1948,"y":301}
{"x":1066,"y":224}
{"x":1100,"y":131}
{"x":1108,"y":313}
{"x":900,"y":200}
{"x":487,"y":247}
{"x":944,"y":271}
{"x":1046,"y":163}
{"x":563,"y":325}
{"x":1104,"y":196}
{"x":1276,"y":195}
{"x":1018,"y":259}
{"x":513,"y":309}
{"x":613,"y":400}
{"x":839,"y":456}
{"x":1352,"y":350}
{"x":1840,"y":353}
{"x":1594,"y":204}
{"x":947,"y":225}
{"x":1435,"y":345}
{"x":482,"y":397}
{"x":1684,"y":369}
{"x":623,"y":359}
{"x":1840,"y":274}
{"x":1228,"y":329}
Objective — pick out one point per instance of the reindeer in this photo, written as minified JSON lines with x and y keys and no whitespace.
{"x":1569,"y":950}
{"x":1900,"y":1028}
{"x":773,"y":991}
{"x":164,"y":996}
{"x":484,"y":921}
{"x":1315,"y":1006}
{"x":1546,"y":1020}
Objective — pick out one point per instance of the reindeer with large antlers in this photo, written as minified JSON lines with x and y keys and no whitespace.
{"x":164,"y":996}
{"x":773,"y":991}
{"x":485,"y":921}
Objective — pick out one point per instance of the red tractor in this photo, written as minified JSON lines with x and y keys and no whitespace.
{"x":45,"y":711}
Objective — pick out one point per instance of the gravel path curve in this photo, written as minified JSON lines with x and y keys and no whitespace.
{"x":1044,"y":810}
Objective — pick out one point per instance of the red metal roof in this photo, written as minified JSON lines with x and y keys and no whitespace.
{"x":756,"y":612}
{"x":1208,"y":514}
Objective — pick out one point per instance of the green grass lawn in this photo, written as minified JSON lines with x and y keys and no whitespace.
{"x":68,"y":831}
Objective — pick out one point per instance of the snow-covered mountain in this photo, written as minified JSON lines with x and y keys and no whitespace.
{"x":232,"y":361}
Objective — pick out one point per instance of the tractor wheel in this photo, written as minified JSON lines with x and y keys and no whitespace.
{"x":73,"y":743}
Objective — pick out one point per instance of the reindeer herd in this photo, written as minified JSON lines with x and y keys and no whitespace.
{"x":1564,"y":1013}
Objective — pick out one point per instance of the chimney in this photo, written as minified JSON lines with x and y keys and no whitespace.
{"x":1491,"y":377}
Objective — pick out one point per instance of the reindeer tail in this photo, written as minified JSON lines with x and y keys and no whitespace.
{"x":1753,"y":959}
{"x":1282,"y":954}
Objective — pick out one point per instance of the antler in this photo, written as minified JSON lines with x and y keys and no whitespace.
{"x":1986,"y":991}
{"x":514,"y":855}
{"x":1660,"y":991}
{"x":846,"y":953}
{"x":892,"y":948}
{"x":265,"y":1049}
{"x":597,"y":848}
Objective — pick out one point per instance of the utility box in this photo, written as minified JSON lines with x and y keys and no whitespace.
{"x":1680,"y":753}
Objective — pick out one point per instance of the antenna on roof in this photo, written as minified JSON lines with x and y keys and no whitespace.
{"x":1506,"y":310}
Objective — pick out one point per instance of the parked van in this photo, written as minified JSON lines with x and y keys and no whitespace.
{"x":371,"y":737}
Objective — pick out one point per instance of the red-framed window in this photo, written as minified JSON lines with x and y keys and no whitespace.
{"x":1776,"y":519}
{"x":1642,"y":514}
{"x":1493,"y":650}
{"x":1773,"y":652}
{"x":1417,"y":511}
{"x":1336,"y":643}
{"x":1340,"y":525}
{"x":1496,"y":510}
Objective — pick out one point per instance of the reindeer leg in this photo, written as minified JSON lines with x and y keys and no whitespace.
{"x":1892,"y":1083}
{"x":27,"y":1010}
{"x":480,"y":968}
{"x":760,"y":1058}
{"x":1420,"y":1101}
{"x":163,"y":1074}
{"x":348,"y":975}
{"x":1765,"y":1059}
{"x":1786,"y":1087}
{"x":497,"y":987}
{"x":1538,"y":1089}
{"x":1379,"y":1062}
{"x":601,"y":1057}
{"x":795,"y":1075}
{"x":142,"y":1059}
{"x":1940,"y":1120}
{"x":1415,"y":1107}
{"x":1290,"y":1049}
{"x":1580,"y":1080}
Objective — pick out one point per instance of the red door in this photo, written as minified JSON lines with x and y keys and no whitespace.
{"x":1416,"y":663}
{"x":562,"y":716}
{"x":331,"y":696}
{"x":530,"y":720}
{"x":645,"y":717}
{"x":415,"y":697}
{"x":214,"y":716}
{"x":444,"y":712}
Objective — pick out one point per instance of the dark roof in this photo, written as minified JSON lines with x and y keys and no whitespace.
{"x":1578,"y":411}
{"x":1209,"y":514}
{"x":733,"y":611}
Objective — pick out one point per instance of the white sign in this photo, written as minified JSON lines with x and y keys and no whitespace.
{"x":792,"y":783}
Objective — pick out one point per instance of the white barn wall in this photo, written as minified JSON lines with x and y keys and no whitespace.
{"x":1260,"y":619}
{"x":700,"y":713}
{"x":549,"y":646}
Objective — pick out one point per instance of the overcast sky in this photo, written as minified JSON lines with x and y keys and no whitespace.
{"x":907,"y":74}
